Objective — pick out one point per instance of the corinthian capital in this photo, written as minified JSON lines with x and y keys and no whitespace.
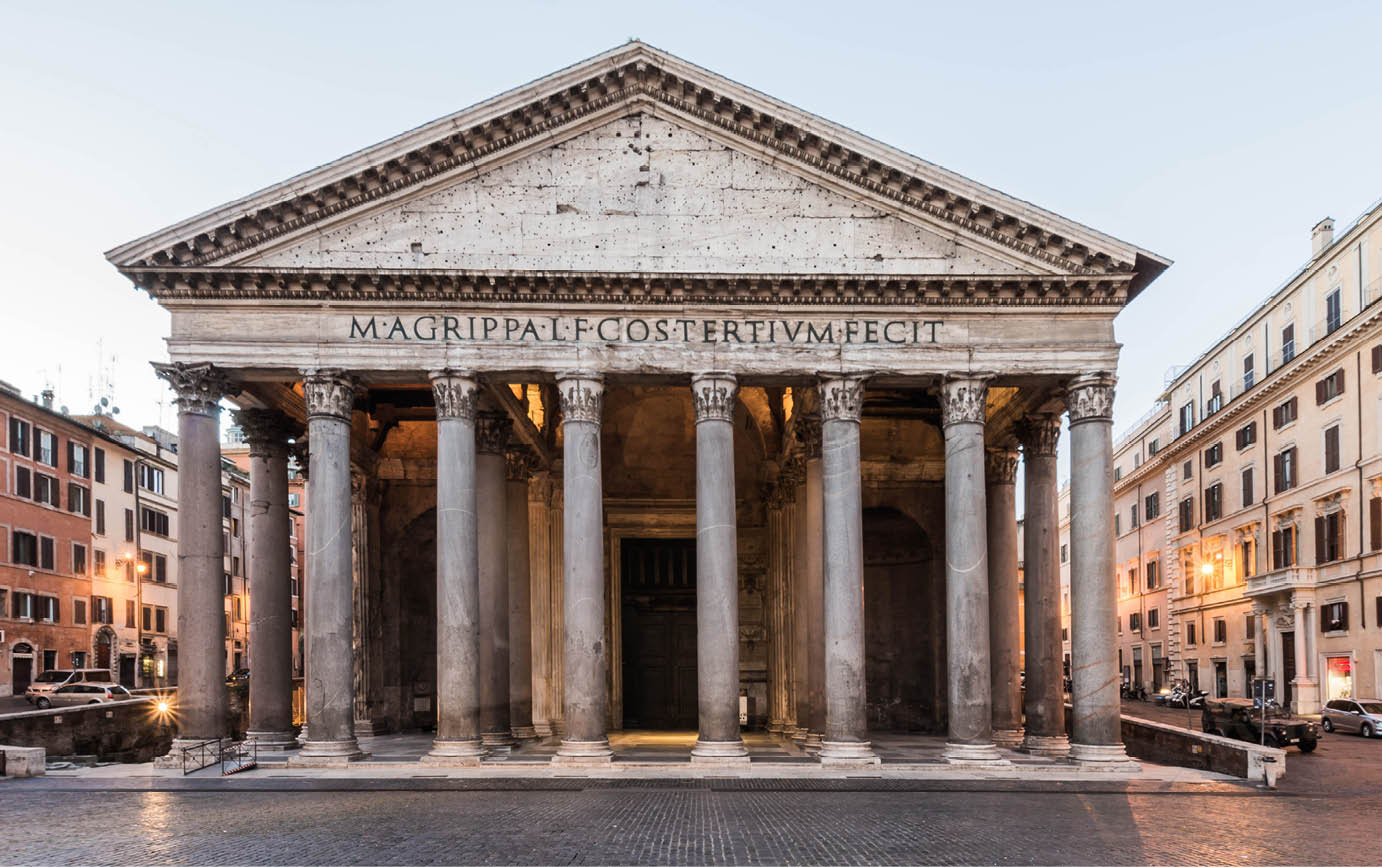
{"x":842,"y":398}
{"x":519,"y":463}
{"x":1040,"y":434}
{"x":964,"y":400}
{"x":807,"y":428}
{"x":582,"y":396}
{"x":714,"y":395}
{"x":329,"y":392}
{"x":1000,"y":466}
{"x":492,"y":430}
{"x":455,"y":393}
{"x":199,"y":387}
{"x":1090,"y":398}
{"x":266,"y":431}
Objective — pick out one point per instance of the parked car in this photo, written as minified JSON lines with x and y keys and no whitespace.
{"x":50,"y":680}
{"x":1241,"y":719}
{"x":84,"y":693}
{"x":239,"y":675}
{"x":1361,"y":715}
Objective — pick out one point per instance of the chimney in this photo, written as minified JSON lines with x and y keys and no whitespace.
{"x":47,"y":396}
{"x":1321,"y":236}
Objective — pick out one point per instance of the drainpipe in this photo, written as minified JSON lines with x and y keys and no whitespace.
{"x":1358,"y":463}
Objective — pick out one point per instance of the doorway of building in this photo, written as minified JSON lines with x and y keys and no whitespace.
{"x":21,"y":667}
{"x":127,"y":670}
{"x":658,"y":609}
{"x":103,"y":643}
{"x":1288,"y":667}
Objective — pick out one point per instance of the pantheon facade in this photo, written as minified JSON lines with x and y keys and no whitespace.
{"x":634,"y":398}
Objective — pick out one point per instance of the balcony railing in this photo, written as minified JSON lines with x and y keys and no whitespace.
{"x":1290,"y":578}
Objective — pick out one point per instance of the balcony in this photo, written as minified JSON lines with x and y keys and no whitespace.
{"x":1280,"y":580}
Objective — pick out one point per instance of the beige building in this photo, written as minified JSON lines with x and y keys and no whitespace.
{"x":1249,"y":500}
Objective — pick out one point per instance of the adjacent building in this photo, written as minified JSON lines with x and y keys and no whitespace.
{"x":1248,"y":500}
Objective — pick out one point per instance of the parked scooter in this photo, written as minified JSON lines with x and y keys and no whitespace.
{"x":1136,"y":691}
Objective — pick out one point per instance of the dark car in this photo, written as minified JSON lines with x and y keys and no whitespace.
{"x":1240,"y":719}
{"x":239,"y":675}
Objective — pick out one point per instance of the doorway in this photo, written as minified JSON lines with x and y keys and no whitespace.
{"x":658,"y":610}
{"x":127,"y":670}
{"x":1288,"y":667}
{"x":22,"y":668}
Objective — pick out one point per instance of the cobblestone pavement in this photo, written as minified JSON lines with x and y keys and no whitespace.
{"x":1341,"y":764}
{"x":690,"y":822}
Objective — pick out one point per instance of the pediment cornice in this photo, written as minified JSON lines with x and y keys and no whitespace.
{"x":589,"y":287}
{"x":631,"y":78}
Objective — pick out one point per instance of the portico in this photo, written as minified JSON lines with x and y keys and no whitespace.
{"x":661,"y":390}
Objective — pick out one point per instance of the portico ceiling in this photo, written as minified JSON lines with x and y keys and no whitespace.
{"x":219,"y":252}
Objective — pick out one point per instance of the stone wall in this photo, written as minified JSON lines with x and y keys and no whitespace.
{"x":115,"y":732}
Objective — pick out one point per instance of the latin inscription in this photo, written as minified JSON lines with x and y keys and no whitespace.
{"x":635,"y":330}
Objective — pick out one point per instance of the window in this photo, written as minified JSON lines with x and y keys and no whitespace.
{"x":19,"y":437}
{"x":151,"y":478}
{"x":98,"y":563}
{"x":1151,"y":506}
{"x":1135,"y":622}
{"x":100,"y":517}
{"x":1132,"y":580}
{"x":1333,"y":310}
{"x":129,"y":477}
{"x":101,"y":609}
{"x":228,"y":587}
{"x":146,"y":559}
{"x":1250,"y":626}
{"x":235,"y":527}
{"x":1331,"y":449}
{"x":160,"y":620}
{"x":46,"y":490}
{"x":1330,"y":387}
{"x":1247,"y":372}
{"x":77,"y":463}
{"x":1117,"y":525}
{"x":1283,"y":414}
{"x":1187,"y":418}
{"x":47,"y":553}
{"x":1375,"y":524}
{"x":1246,"y":556}
{"x":160,"y":569}
{"x":23,"y":485}
{"x":1117,"y":474}
{"x":1220,"y":630}
{"x":1187,"y":471}
{"x":225,"y":506}
{"x":99,"y":465}
{"x":1153,"y":574}
{"x":153,"y":521}
{"x":1214,"y":455}
{"x":235,"y":565}
{"x":78,"y":500}
{"x":1190,"y":634}
{"x":78,"y":559}
{"x":24,"y":549}
{"x":148,"y":616}
{"x":1288,"y":343}
{"x":1247,"y":487}
{"x":79,"y":611}
{"x":1284,"y":547}
{"x":23,"y":606}
{"x":47,"y":451}
{"x":1214,"y":502}
{"x":1154,"y":618}
{"x":1334,"y":617}
{"x":1153,"y":446}
{"x":1064,"y":553}
{"x":1377,"y":358}
{"x":49,"y":610}
{"x":1329,"y":537}
{"x":1284,"y":468}
{"x":293,"y":586}
{"x":1187,"y":514}
{"x":129,"y":525}
{"x":129,"y":613}
{"x":235,"y":606}
{"x":294,"y":499}
{"x":1133,"y":523}
{"x":1216,"y":399}
{"x":1245,"y":436}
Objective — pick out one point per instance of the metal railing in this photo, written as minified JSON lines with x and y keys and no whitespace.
{"x":232,"y":756}
{"x":239,"y":756}
{"x":200,"y":755}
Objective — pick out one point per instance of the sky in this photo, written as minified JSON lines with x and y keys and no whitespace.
{"x":1213,"y":134}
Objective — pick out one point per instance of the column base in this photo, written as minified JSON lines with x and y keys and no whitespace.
{"x":720,"y":752}
{"x":1048,"y":747}
{"x":1103,"y":757}
{"x":812,"y":744}
{"x":847,"y":754}
{"x":461,"y":753}
{"x":1007,"y":738}
{"x":273,"y":740}
{"x":328,"y":754}
{"x":524,"y":733}
{"x":370,"y":727}
{"x":543,"y":729}
{"x":775,"y":727}
{"x":973,"y":754}
{"x":583,"y":753}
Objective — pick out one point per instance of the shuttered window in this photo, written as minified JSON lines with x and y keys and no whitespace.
{"x":1331,"y":449}
{"x":1377,"y":358}
{"x":1284,"y":470}
{"x":1283,"y":547}
{"x":1330,"y":387}
{"x":1283,"y":414}
{"x":1245,"y":436}
{"x":1375,"y":523}
{"x":1247,"y":487}
{"x":1329,"y":537}
{"x":1187,"y":514}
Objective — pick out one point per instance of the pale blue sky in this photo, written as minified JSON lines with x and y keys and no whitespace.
{"x":1214,"y":134}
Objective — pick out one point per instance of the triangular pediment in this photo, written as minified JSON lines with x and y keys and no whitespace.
{"x":830,"y":199}
{"x":640,"y":194}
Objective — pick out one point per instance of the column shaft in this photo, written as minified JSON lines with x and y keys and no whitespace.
{"x":585,"y":664}
{"x":1096,"y":724}
{"x":491,"y":496}
{"x":457,"y":738}
{"x":520,"y":599}
{"x":330,"y":398}
{"x":970,"y":739}
{"x":270,"y":562}
{"x":717,"y":571}
{"x":1004,"y":663}
{"x":1045,"y":694}
{"x":846,"y":724}
{"x":202,"y":696}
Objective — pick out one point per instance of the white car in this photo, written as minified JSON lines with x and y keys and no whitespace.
{"x":84,"y":693}
{"x":49,"y":681}
{"x":1361,"y":715}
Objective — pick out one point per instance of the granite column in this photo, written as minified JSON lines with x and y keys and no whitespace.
{"x":1005,"y":685}
{"x":1045,"y":729}
{"x":492,"y":430}
{"x":520,"y":465}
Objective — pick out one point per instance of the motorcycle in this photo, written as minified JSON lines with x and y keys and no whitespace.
{"x":1136,"y":691}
